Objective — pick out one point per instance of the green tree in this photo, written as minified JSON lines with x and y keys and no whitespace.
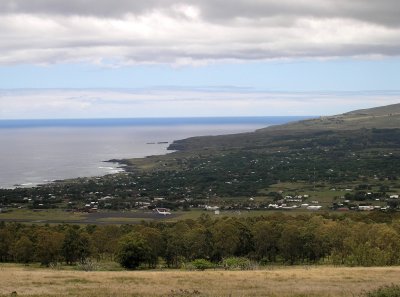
{"x":155,"y":243}
{"x":265,"y":236}
{"x":314,"y":240}
{"x":6,"y":240}
{"x":132,"y":251}
{"x":76,"y":246}
{"x":199,"y":239}
{"x":105,"y":240}
{"x":23,"y":250}
{"x":290,"y":243}
{"x":226,"y":238}
{"x":49,"y":246}
{"x":246,"y":244}
{"x":177,"y":248}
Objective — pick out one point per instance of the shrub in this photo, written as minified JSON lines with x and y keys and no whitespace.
{"x":202,"y":264}
{"x":237,"y":263}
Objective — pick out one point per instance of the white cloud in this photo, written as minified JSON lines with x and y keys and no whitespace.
{"x":195,"y":32}
{"x":175,"y":102}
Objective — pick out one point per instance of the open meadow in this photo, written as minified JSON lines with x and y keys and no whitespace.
{"x":276,"y":281}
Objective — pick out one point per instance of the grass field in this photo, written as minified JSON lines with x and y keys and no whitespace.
{"x":47,"y":214}
{"x":53,"y":216}
{"x":278,"y":281}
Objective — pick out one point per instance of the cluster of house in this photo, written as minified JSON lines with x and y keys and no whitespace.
{"x":283,"y":203}
{"x":363,"y":208}
{"x":93,"y":206}
{"x":284,"y":206}
{"x":297,"y":198}
{"x":345,"y":205}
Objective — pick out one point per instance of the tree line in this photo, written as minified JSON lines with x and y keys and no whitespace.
{"x":355,"y":240}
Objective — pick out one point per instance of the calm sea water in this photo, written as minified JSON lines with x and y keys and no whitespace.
{"x":38,"y":151}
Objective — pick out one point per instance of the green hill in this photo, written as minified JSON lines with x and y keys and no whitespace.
{"x":385,"y":117}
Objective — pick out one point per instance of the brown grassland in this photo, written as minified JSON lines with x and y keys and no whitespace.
{"x":277,"y":281}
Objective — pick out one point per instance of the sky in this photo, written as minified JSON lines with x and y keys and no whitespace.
{"x":171,"y":58}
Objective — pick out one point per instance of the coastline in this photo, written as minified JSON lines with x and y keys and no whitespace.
{"x":152,"y":142}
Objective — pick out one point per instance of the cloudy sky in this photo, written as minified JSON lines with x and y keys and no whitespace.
{"x":124,"y":58}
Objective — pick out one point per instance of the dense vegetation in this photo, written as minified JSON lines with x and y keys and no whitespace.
{"x":357,"y":239}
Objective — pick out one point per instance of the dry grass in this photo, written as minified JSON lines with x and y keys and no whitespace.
{"x":285,"y":282}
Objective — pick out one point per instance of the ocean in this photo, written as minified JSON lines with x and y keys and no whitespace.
{"x":34,"y":152}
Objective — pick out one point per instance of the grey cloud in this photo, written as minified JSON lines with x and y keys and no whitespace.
{"x":384,"y":12}
{"x":161,"y":31}
{"x":78,"y":7}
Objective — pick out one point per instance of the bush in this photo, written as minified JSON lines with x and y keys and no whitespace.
{"x":202,"y":264}
{"x":237,"y":263}
{"x":385,"y":291}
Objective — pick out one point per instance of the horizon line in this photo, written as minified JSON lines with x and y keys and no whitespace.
{"x":155,"y":117}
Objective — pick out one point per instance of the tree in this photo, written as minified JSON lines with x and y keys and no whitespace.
{"x":290,"y":243}
{"x":177,"y":248}
{"x":6,"y":240}
{"x":200,"y":240}
{"x":105,"y":240}
{"x":266,"y":238}
{"x":226,"y":238}
{"x":132,"y":251}
{"x":315,"y":240}
{"x":23,"y":250}
{"x":155,"y":242}
{"x":76,"y":246}
{"x":245,"y":244}
{"x":49,"y":246}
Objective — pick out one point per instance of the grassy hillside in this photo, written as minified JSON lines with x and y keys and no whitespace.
{"x":386,"y":117}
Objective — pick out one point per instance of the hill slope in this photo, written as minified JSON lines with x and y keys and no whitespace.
{"x":385,"y":117}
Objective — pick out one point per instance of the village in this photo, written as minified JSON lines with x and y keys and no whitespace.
{"x":54,"y":197}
